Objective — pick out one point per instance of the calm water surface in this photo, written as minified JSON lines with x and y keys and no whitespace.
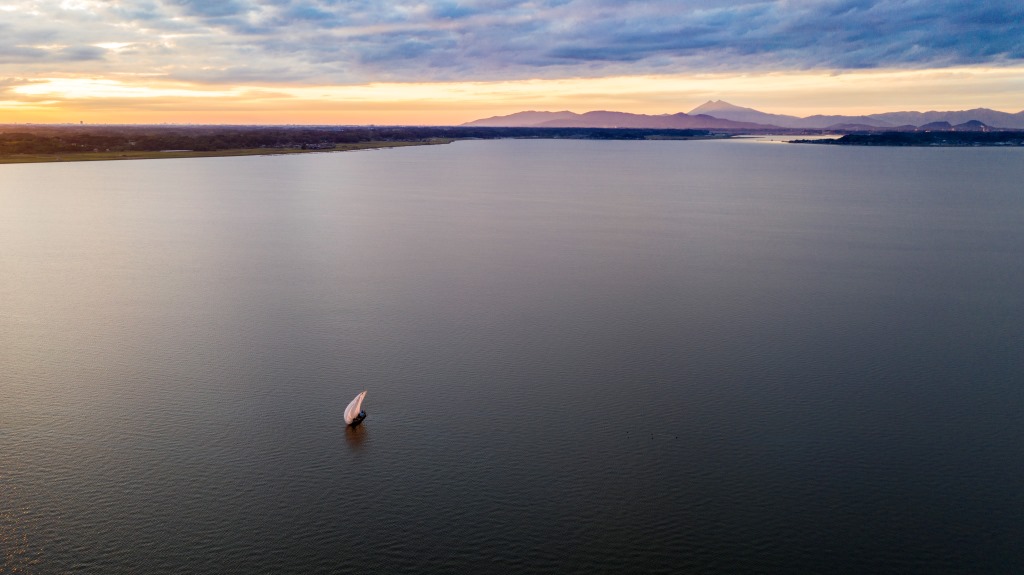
{"x":679,"y":357}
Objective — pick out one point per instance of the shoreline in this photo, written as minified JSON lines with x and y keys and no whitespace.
{"x":931,"y":139}
{"x":234,"y":152}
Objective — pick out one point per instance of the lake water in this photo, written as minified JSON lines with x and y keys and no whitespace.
{"x":581,"y":357}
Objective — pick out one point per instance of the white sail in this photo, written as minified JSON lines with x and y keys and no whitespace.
{"x":353,"y":409}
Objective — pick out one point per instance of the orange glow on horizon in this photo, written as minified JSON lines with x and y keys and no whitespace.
{"x":147,"y":99}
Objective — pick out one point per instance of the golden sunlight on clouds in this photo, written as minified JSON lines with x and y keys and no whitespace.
{"x":148,"y":99}
{"x":115,"y":46}
{"x":73,"y":90}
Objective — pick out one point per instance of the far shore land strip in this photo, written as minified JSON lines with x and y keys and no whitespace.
{"x":76,"y":143}
{"x":167,"y":154}
{"x":71,"y":143}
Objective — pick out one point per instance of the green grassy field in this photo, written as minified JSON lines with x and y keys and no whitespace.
{"x":108,"y":156}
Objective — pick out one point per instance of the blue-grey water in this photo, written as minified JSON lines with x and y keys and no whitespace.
{"x":581,"y":357}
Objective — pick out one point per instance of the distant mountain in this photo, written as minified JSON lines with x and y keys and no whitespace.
{"x":867,"y":128}
{"x":727,"y":111}
{"x":603,"y":119}
{"x":721,"y":115}
{"x":988,"y":117}
{"x":520,"y":119}
{"x":894,"y":120}
{"x":606,"y":119}
{"x":942,"y":126}
{"x":820,"y":121}
{"x":972,"y":126}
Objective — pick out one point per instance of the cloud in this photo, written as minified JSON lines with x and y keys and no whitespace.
{"x":846,"y":34}
{"x":7,"y":84}
{"x":21,"y":53}
{"x":244,"y":75}
{"x":218,"y":9}
{"x":350,"y":41}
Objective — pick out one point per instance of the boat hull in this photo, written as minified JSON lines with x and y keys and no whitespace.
{"x":358,"y":419}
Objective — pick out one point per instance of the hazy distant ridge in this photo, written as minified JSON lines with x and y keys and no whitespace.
{"x":994,"y":118}
{"x":603,"y":119}
{"x":725,"y":116}
{"x":986,"y":116}
{"x":607,"y":119}
{"x":521,"y":119}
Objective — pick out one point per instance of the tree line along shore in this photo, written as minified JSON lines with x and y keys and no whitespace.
{"x":47,"y":143}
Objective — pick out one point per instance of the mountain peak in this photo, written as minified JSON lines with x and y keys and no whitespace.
{"x":712,"y":106}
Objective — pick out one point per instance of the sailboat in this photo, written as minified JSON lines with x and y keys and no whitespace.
{"x":354,"y":414}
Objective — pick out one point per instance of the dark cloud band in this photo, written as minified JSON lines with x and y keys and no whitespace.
{"x":364,"y":40}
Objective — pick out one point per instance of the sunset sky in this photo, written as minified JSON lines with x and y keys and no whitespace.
{"x":447,"y":62}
